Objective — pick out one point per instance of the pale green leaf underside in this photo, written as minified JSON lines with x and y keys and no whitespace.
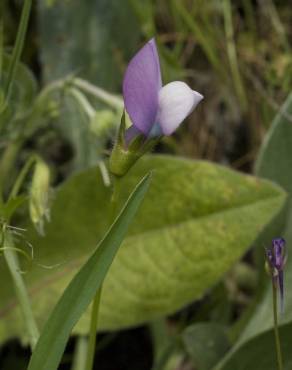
{"x":197,"y":219}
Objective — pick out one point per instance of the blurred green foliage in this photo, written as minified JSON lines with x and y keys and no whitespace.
{"x":237,"y":53}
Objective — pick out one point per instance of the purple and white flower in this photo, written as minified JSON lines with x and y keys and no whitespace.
{"x":154,"y":110}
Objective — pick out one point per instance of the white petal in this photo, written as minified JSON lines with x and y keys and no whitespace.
{"x":175,"y":102}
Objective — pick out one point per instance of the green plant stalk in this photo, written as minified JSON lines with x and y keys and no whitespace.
{"x":96,"y":301}
{"x":82,"y":101}
{"x":18,"y":47}
{"x":276,"y":329}
{"x":111,"y":100}
{"x":1,"y":47}
{"x":277,"y":24}
{"x":10,"y":253}
{"x":93,"y":331}
{"x":22,"y":175}
{"x":7,"y":162}
{"x":208,"y":48}
{"x":80,"y":353}
{"x":20,"y":290}
{"x":231,"y":52}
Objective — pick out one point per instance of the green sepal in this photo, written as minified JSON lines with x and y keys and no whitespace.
{"x":122,"y":130}
{"x":121,"y":160}
{"x":124,"y":156}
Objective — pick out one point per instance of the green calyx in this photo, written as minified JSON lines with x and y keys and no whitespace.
{"x":124,"y":156}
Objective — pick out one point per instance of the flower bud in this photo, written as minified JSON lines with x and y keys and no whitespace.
{"x":39,"y":195}
{"x":275,"y":262}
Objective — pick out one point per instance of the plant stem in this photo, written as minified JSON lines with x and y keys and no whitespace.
{"x":17,"y":50}
{"x":1,"y":48}
{"x":276,"y":329}
{"x":113,"y":101}
{"x":22,"y":175}
{"x":7,"y":161}
{"x":80,"y":353}
{"x":206,"y":43}
{"x":93,"y":331}
{"x":20,"y":290}
{"x":96,"y":301}
{"x":231,"y":52}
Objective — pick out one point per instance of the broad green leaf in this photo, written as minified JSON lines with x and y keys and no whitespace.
{"x":274,"y":163}
{"x":205,"y":343}
{"x":259,"y":353}
{"x":81,"y":290}
{"x":198,"y":218}
{"x":85,"y":37}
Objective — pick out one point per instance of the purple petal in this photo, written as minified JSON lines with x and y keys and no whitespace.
{"x":131,"y":133}
{"x":141,"y":84}
{"x":176,"y":102}
{"x":279,"y":245}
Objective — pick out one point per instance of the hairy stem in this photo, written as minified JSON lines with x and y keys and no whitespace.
{"x":20,"y":290}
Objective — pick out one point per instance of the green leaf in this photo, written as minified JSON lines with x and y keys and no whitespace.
{"x":206,"y":343}
{"x":81,"y":290}
{"x":274,"y":163}
{"x":259,"y":353}
{"x":198,"y":219}
{"x":275,"y":160}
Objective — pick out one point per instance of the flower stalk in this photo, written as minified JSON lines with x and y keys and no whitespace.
{"x":93,"y":331}
{"x":276,"y":328}
{"x":275,"y":263}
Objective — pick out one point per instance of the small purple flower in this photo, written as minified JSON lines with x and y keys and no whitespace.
{"x":154,"y":109}
{"x":276,"y":257}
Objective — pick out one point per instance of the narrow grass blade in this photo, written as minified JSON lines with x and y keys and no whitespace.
{"x":17,"y":50}
{"x":81,"y":290}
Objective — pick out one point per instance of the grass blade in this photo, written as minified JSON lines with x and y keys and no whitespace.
{"x":82,"y":288}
